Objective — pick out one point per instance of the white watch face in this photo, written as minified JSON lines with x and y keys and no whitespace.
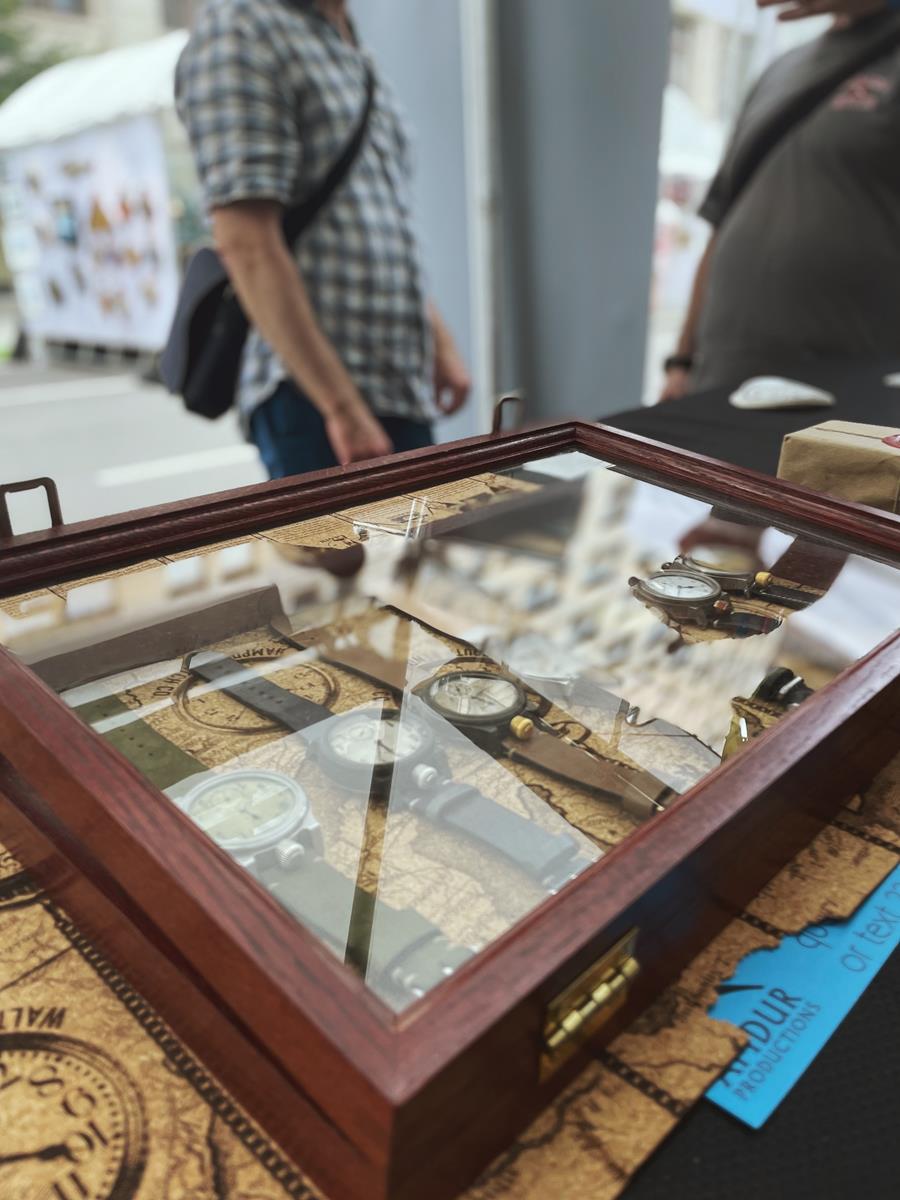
{"x":375,"y":739}
{"x":246,"y":806}
{"x":462,"y":695}
{"x":677,"y":585}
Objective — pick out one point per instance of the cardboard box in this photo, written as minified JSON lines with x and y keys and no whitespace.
{"x":845,"y":459}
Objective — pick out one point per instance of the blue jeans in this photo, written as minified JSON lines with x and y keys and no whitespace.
{"x":290,"y":434}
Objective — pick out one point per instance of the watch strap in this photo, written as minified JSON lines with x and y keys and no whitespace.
{"x":361,"y":660}
{"x":160,"y":760}
{"x":547,"y":857}
{"x":639,"y":792}
{"x":809,"y":564}
{"x":406,"y":955}
{"x":261,"y":694}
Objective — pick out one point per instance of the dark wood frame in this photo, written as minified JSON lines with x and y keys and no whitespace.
{"x":376,"y":1106}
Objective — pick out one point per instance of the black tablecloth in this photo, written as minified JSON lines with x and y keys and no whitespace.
{"x":707,"y":424}
{"x":837,"y":1136}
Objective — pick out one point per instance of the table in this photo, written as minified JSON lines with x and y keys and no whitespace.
{"x":836,"y":1134}
{"x":707,"y":424}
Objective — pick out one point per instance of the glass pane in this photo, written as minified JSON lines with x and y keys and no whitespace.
{"x":414,"y":720}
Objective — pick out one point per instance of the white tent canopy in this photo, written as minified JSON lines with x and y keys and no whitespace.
{"x":83,"y":93}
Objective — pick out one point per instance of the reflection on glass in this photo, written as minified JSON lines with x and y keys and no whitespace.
{"x":413,"y":721}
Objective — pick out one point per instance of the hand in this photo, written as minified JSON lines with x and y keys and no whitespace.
{"x":678,"y":384}
{"x":799,"y":10}
{"x":452,"y":382}
{"x":355,"y":434}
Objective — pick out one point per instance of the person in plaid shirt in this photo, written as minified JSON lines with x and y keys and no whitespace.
{"x":346,"y":354}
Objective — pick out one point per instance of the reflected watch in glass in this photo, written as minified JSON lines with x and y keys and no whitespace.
{"x":723,"y":566}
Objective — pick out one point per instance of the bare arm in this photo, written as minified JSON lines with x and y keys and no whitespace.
{"x":264,"y":274}
{"x":678,"y":378}
{"x":452,"y":382}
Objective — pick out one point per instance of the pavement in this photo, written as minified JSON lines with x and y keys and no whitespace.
{"x":111,"y":442}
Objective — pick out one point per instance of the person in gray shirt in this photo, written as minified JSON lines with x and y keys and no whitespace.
{"x":347,"y":358}
{"x":804,"y":261}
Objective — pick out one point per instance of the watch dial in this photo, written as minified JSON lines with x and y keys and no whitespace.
{"x":72,"y":1121}
{"x":244,"y":807}
{"x":675,"y":585}
{"x":463,"y":695}
{"x":376,"y":739}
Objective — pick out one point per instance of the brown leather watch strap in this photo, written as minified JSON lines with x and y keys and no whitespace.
{"x":638,"y":792}
{"x":388,"y":672}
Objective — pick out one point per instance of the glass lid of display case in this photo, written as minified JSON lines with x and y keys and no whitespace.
{"x":414,"y":720}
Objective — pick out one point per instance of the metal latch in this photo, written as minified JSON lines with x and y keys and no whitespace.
{"x":28,"y":485}
{"x":587,"y":1004}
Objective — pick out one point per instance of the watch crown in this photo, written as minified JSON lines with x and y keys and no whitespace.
{"x":290,"y":855}
{"x":762,"y":578}
{"x":424,"y":776}
{"x":521,"y":728}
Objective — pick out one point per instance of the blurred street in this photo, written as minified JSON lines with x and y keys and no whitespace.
{"x":111,"y":442}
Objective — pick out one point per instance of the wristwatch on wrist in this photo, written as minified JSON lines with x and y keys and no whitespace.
{"x":678,"y":362}
{"x":264,"y":821}
{"x":494,"y":712}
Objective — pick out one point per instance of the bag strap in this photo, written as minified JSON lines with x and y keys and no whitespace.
{"x":804,"y":105}
{"x":298,"y":218}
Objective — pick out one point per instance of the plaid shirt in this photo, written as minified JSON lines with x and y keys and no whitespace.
{"x":270,"y":95}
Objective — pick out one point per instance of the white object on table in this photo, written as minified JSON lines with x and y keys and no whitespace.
{"x":771,"y":391}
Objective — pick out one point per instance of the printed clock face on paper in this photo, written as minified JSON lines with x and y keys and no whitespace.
{"x":72,"y":1122}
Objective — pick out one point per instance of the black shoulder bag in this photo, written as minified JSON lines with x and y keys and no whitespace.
{"x":201,"y":361}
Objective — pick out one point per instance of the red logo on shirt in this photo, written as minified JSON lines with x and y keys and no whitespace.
{"x":863,"y":93}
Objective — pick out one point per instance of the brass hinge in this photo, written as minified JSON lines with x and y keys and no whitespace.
{"x":587,"y":1004}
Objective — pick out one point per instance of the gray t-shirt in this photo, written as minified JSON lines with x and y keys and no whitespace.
{"x":807,"y":263}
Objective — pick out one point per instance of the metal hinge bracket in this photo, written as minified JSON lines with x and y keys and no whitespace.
{"x":588,"y":1003}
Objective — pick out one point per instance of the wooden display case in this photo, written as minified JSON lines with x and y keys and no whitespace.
{"x":396,"y":1100}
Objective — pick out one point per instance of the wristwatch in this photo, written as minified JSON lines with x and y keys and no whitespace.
{"x":367,"y":747}
{"x":373,"y":748}
{"x":264,"y":820}
{"x":754,"y":584}
{"x":680,"y":594}
{"x":494,"y":712}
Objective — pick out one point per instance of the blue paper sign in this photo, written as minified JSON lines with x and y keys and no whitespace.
{"x":789,"y":1001}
